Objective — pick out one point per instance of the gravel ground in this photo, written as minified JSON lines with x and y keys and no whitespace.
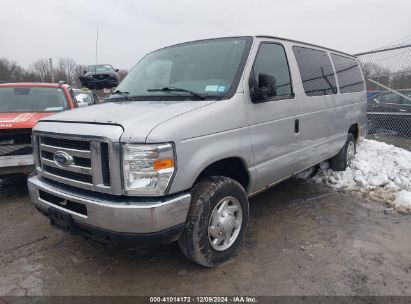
{"x":303,"y":239}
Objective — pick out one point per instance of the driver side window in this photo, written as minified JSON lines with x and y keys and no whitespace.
{"x":271,"y":74}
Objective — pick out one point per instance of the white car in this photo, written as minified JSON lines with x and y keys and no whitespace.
{"x":85,"y":98}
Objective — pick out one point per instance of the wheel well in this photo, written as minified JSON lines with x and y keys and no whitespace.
{"x":354,"y":131}
{"x":232,"y":167}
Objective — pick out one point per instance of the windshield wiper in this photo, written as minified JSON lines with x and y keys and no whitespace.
{"x":121,"y":93}
{"x":173,"y":89}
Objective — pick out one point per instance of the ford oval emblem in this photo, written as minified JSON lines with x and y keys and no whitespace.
{"x":62,"y":159}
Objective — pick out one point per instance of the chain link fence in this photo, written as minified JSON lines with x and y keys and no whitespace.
{"x":387,"y":71}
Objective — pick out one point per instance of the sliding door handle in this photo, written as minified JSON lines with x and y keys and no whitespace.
{"x":297,"y":126}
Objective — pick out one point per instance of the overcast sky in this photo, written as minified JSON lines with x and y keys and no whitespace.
{"x":129,"y":29}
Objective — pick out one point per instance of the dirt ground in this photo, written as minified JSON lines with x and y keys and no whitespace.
{"x":303,"y":239}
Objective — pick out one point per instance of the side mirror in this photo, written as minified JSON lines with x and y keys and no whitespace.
{"x":84,"y":72}
{"x":116,"y":70}
{"x":264,"y":90}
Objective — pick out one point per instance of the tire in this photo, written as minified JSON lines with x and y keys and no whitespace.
{"x":343,"y":159}
{"x":208,"y":196}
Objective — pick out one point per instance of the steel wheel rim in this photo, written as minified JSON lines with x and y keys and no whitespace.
{"x":225,"y":223}
{"x":350,"y":152}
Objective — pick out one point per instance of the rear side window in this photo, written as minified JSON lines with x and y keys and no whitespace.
{"x":348,"y":74}
{"x":271,"y":60}
{"x":316,"y":71}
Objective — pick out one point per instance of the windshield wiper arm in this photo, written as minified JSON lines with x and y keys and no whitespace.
{"x":173,"y":89}
{"x":121,"y":93}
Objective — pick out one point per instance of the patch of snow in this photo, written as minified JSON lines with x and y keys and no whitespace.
{"x":379,"y":170}
{"x":403,"y":201}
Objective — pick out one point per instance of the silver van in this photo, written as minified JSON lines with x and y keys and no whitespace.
{"x":190,"y":134}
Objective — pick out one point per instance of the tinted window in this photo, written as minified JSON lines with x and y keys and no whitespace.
{"x":348,"y":74}
{"x":316,"y":71}
{"x":271,"y":60}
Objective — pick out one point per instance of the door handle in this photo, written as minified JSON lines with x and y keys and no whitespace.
{"x":297,"y":126}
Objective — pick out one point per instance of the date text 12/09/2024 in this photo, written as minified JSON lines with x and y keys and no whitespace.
{"x":199,"y":299}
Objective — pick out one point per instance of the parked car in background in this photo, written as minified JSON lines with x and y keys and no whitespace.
{"x":390,"y":113}
{"x":21,"y":106}
{"x":190,"y":134}
{"x":85,"y":97}
{"x":99,"y":76}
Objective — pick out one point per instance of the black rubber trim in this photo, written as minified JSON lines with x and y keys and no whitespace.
{"x":128,"y":239}
{"x":124,"y":239}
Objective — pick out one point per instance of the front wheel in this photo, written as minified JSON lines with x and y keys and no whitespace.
{"x":216,"y":223}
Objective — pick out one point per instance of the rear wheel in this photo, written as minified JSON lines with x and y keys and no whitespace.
{"x":216,"y":223}
{"x":343,"y":159}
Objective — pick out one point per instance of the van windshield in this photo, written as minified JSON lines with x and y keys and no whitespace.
{"x":207,"y":67}
{"x":31,"y":99}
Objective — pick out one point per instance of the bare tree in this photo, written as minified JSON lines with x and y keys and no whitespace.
{"x":41,"y":67}
{"x":65,"y":70}
{"x":79,"y":71}
{"x":376,"y":72}
{"x":122,"y":74}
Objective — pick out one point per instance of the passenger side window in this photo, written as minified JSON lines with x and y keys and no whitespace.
{"x":270,"y":78}
{"x":316,"y":71}
{"x":348,"y":74}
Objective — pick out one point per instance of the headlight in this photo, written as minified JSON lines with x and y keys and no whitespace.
{"x":148,"y":169}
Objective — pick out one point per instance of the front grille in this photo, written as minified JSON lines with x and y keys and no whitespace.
{"x":68,"y":174}
{"x":15,"y":142}
{"x":10,"y":150}
{"x":105,"y":166}
{"x":85,"y":162}
{"x":101,"y":76}
{"x":78,"y":161}
{"x":66,"y":143}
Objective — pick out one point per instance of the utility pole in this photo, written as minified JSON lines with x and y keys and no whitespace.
{"x":51,"y":69}
{"x":96,"y":45}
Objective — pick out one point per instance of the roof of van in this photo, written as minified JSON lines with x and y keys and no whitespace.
{"x":260,"y":36}
{"x":302,"y":42}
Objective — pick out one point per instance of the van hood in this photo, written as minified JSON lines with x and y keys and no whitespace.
{"x":139,"y":116}
{"x":20,"y":120}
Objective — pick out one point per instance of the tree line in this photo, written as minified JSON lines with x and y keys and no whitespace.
{"x":68,"y":70}
{"x":393,"y":79}
{"x":64,"y":69}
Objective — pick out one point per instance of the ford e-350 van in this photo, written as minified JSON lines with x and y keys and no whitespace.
{"x":191,"y":133}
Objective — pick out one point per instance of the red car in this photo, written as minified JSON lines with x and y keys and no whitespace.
{"x":21,"y":106}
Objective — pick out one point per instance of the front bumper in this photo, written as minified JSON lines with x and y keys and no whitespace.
{"x":113,"y":216}
{"x":98,"y":83}
{"x":16,"y":164}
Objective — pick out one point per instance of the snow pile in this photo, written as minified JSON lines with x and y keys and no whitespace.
{"x":379,"y":170}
